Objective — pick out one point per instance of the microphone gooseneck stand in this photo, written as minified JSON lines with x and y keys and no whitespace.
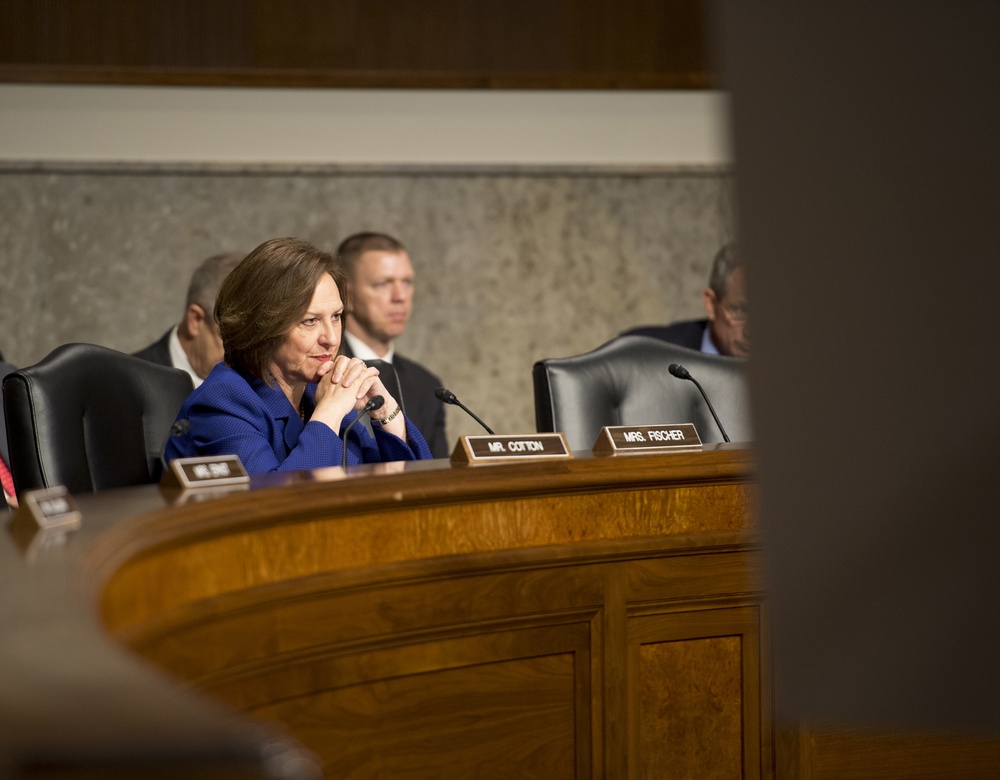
{"x":446,"y":396}
{"x":682,"y":373}
{"x":371,"y":406}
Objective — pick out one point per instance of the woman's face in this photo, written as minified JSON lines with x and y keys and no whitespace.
{"x":314,"y":340}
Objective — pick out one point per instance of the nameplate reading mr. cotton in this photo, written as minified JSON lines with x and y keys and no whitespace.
{"x":473,"y":450}
{"x":205,"y":472}
{"x":624,"y":439}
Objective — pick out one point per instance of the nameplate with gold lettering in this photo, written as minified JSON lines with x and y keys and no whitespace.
{"x":476,"y":450}
{"x":207,"y":471}
{"x":635,"y":439}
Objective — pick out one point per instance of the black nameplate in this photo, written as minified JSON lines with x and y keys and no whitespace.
{"x":475,"y":450}
{"x":635,"y":439}
{"x":51,"y":508}
{"x":208,"y":471}
{"x":45,"y":520}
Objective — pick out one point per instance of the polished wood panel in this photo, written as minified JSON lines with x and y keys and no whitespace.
{"x":218,"y":564}
{"x":524,"y":44}
{"x":498,"y":718}
{"x":868,"y":754}
{"x":705,"y":740}
{"x":592,"y":618}
{"x":505,"y":607}
{"x":702,"y":669}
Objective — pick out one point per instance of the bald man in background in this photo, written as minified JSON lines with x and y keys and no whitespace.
{"x":193,"y":344}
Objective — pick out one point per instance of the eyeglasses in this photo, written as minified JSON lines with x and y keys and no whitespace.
{"x":736,"y":313}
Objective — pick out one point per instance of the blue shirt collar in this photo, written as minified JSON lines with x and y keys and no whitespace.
{"x":707,"y":345}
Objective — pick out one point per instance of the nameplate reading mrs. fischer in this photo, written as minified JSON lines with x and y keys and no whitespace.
{"x":475,"y":450}
{"x":635,"y":439}
{"x":209,"y":471}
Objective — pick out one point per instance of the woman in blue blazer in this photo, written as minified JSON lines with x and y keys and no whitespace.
{"x":284,"y":394}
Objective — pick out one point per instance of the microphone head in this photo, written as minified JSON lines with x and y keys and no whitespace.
{"x":374,"y":403}
{"x":679,"y":371}
{"x":445,"y":395}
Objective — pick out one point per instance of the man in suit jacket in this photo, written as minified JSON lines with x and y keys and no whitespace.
{"x":381,"y":275}
{"x":193,"y":344}
{"x":725,"y":330}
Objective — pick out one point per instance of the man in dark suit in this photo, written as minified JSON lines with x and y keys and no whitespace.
{"x":725,"y":330}
{"x":193,"y":344}
{"x":381,"y":277}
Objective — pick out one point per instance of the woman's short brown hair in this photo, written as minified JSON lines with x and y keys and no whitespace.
{"x":266,"y":295}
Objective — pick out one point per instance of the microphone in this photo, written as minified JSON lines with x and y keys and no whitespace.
{"x":179,"y":428}
{"x":371,"y":406}
{"x":682,"y":373}
{"x":446,"y":396}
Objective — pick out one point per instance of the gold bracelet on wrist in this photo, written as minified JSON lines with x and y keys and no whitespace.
{"x":391,"y":417}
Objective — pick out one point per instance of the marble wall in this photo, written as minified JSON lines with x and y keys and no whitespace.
{"x":513,"y":265}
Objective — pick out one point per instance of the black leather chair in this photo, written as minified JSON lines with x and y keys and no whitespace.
{"x":90,"y":418}
{"x":626,"y":382}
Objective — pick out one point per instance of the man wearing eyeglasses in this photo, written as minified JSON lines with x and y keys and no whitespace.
{"x":725,"y":330}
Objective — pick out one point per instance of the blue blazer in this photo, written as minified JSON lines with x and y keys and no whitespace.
{"x":234,"y":414}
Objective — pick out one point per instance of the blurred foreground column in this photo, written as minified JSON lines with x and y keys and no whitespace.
{"x":867,"y":148}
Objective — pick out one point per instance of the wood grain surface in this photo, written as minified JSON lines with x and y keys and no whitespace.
{"x":600,"y":617}
{"x":484,"y":622}
{"x":521,"y":44}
